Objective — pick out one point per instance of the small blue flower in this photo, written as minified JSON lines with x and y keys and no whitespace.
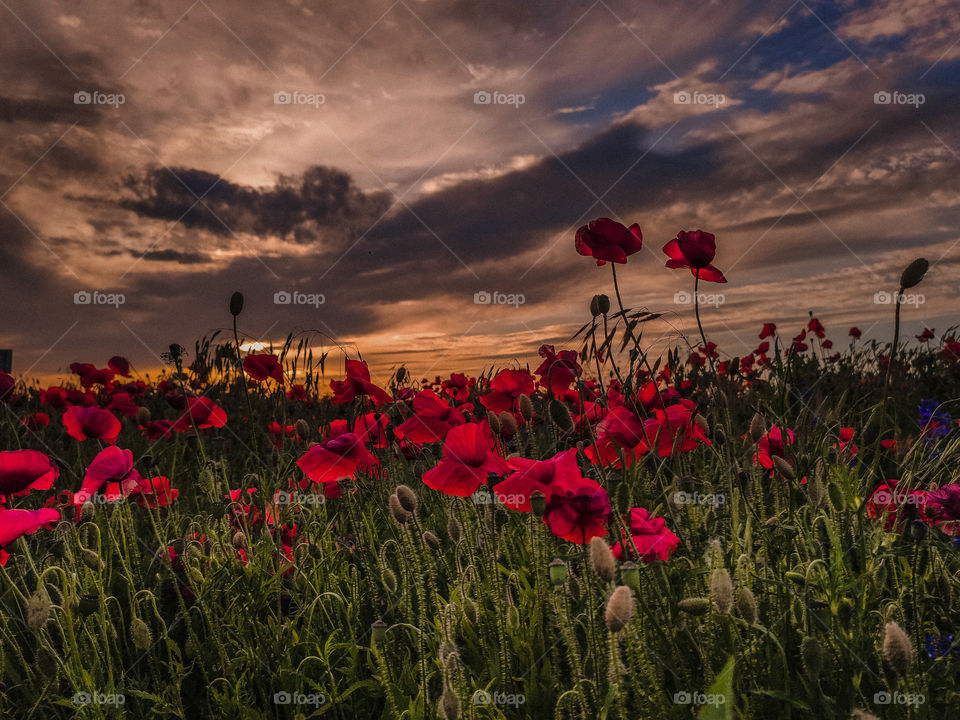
{"x":942,"y":646}
{"x":935,"y":421}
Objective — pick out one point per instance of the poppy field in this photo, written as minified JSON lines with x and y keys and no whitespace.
{"x":601,"y":533}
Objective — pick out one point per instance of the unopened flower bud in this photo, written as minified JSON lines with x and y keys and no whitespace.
{"x":526,"y":407}
{"x":143,"y":416}
{"x":602,"y":560}
{"x":619,"y":609}
{"x":236,"y":303}
{"x":914,"y":273}
{"x":407,"y":498}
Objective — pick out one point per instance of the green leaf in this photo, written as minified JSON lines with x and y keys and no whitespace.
{"x":722,"y":686}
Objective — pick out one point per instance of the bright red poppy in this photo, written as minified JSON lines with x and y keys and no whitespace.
{"x":37,"y":421}
{"x":357,"y":383}
{"x":24,"y":470}
{"x":112,"y":467}
{"x":155,"y":492}
{"x":694,"y":250}
{"x":432,"y":419}
{"x":16,"y":523}
{"x":620,"y":432}
{"x":467,"y":458}
{"x":91,"y":422}
{"x":119,"y":365}
{"x":578,"y":511}
{"x":530,"y":476}
{"x":558,"y":370}
{"x":894,"y":507}
{"x":263,"y":367}
{"x":336,"y":459}
{"x":505,"y":389}
{"x":674,"y":430}
{"x":607,"y":240}
{"x":202,"y":412}
{"x":650,"y":536}
{"x":771,"y":444}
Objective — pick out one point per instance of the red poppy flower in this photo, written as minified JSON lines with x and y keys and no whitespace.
{"x":277,"y":432}
{"x":91,"y":422}
{"x":530,"y":476}
{"x":894,"y":506}
{"x":17,"y":523}
{"x":155,"y":492}
{"x":112,"y":467}
{"x":7,"y":385}
{"x":119,"y":365}
{"x":769,"y":330}
{"x":457,"y":387}
{"x":36,"y":421}
{"x":297,"y":393}
{"x":506,"y":388}
{"x":618,"y":432}
{"x":54,"y":396}
{"x":927,"y":334}
{"x":202,"y":412}
{"x":608,"y":241}
{"x":578,"y":511}
{"x":675,"y":430}
{"x":815,"y":327}
{"x":558,"y":370}
{"x":122,"y":404}
{"x":336,"y":459}
{"x":90,"y":375}
{"x":357,"y":383}
{"x":261,"y":367}
{"x":762,"y":348}
{"x":650,"y":536}
{"x":855,"y":333}
{"x":846,"y":446}
{"x":157,"y":429}
{"x":773,"y":443}
{"x":432,"y":419}
{"x":467,"y":458}
{"x":24,"y":470}
{"x":694,"y":250}
{"x":951,"y":351}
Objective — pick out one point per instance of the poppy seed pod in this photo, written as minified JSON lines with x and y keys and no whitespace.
{"x":619,"y":609}
{"x":897,"y":648}
{"x":602,"y":560}
{"x":784,"y":467}
{"x":236,"y":303}
{"x":757,"y":427}
{"x":140,"y":634}
{"x":630,"y":575}
{"x":558,"y":571}
{"x":914,"y":273}
{"x":494,"y":422}
{"x":508,"y":423}
{"x":538,"y":503}
{"x":695,"y":606}
{"x":379,"y":631}
{"x":526,"y":407}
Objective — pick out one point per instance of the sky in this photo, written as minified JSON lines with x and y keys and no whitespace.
{"x":367,"y":173}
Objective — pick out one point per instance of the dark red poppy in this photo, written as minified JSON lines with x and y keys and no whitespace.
{"x":458,"y":387}
{"x":24,"y":470}
{"x":7,"y":385}
{"x":855,"y":333}
{"x":262,"y":367}
{"x":771,"y":444}
{"x":297,"y":393}
{"x":894,"y":507}
{"x":155,"y":492}
{"x":467,"y":458}
{"x":951,"y":351}
{"x":16,"y":523}
{"x":845,"y":445}
{"x":619,"y":434}
{"x":530,"y":476}
{"x":54,"y":396}
{"x":694,"y":250}
{"x":37,"y":421}
{"x":202,"y":412}
{"x":357,"y":383}
{"x":927,"y":334}
{"x":506,"y":388}
{"x":674,"y":429}
{"x":769,"y":330}
{"x":119,"y":365}
{"x":157,"y":429}
{"x":90,"y":375}
{"x":91,"y":422}
{"x":816,"y":328}
{"x":432,"y":419}
{"x":112,"y":467}
{"x":650,"y":536}
{"x":558,"y":370}
{"x":122,"y":404}
{"x":578,"y":511}
{"x":336,"y":459}
{"x":607,"y":240}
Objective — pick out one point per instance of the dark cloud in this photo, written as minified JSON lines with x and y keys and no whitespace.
{"x":295,"y":207}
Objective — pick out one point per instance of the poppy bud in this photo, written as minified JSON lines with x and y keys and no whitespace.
{"x":401,"y":375}
{"x":746,"y":605}
{"x":513,"y":617}
{"x":143,"y":416}
{"x":91,"y":559}
{"x":694,"y":606}
{"x":239,"y":540}
{"x":378,"y":631}
{"x":508,"y":423}
{"x":236,"y":303}
{"x":494,"y":422}
{"x":399,"y":513}
{"x":757,"y":428}
{"x":538,"y":503}
{"x":450,"y":704}
{"x":721,"y":590}
{"x":140,"y":634}
{"x":38,"y":609}
{"x":914,"y":273}
{"x":599,"y":305}
{"x":470,"y":610}
{"x":702,"y":422}
{"x":454,"y":529}
{"x":558,"y":571}
{"x":303,"y":429}
{"x":526,"y":407}
{"x":897,"y":648}
{"x":87,"y":510}
{"x":630,"y":575}
{"x":601,"y":559}
{"x":812,"y":655}
{"x":390,"y":580}
{"x":560,"y":415}
{"x":619,"y":609}
{"x":407,"y":498}
{"x":88,"y":604}
{"x":432,"y":540}
{"x":784,"y":468}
